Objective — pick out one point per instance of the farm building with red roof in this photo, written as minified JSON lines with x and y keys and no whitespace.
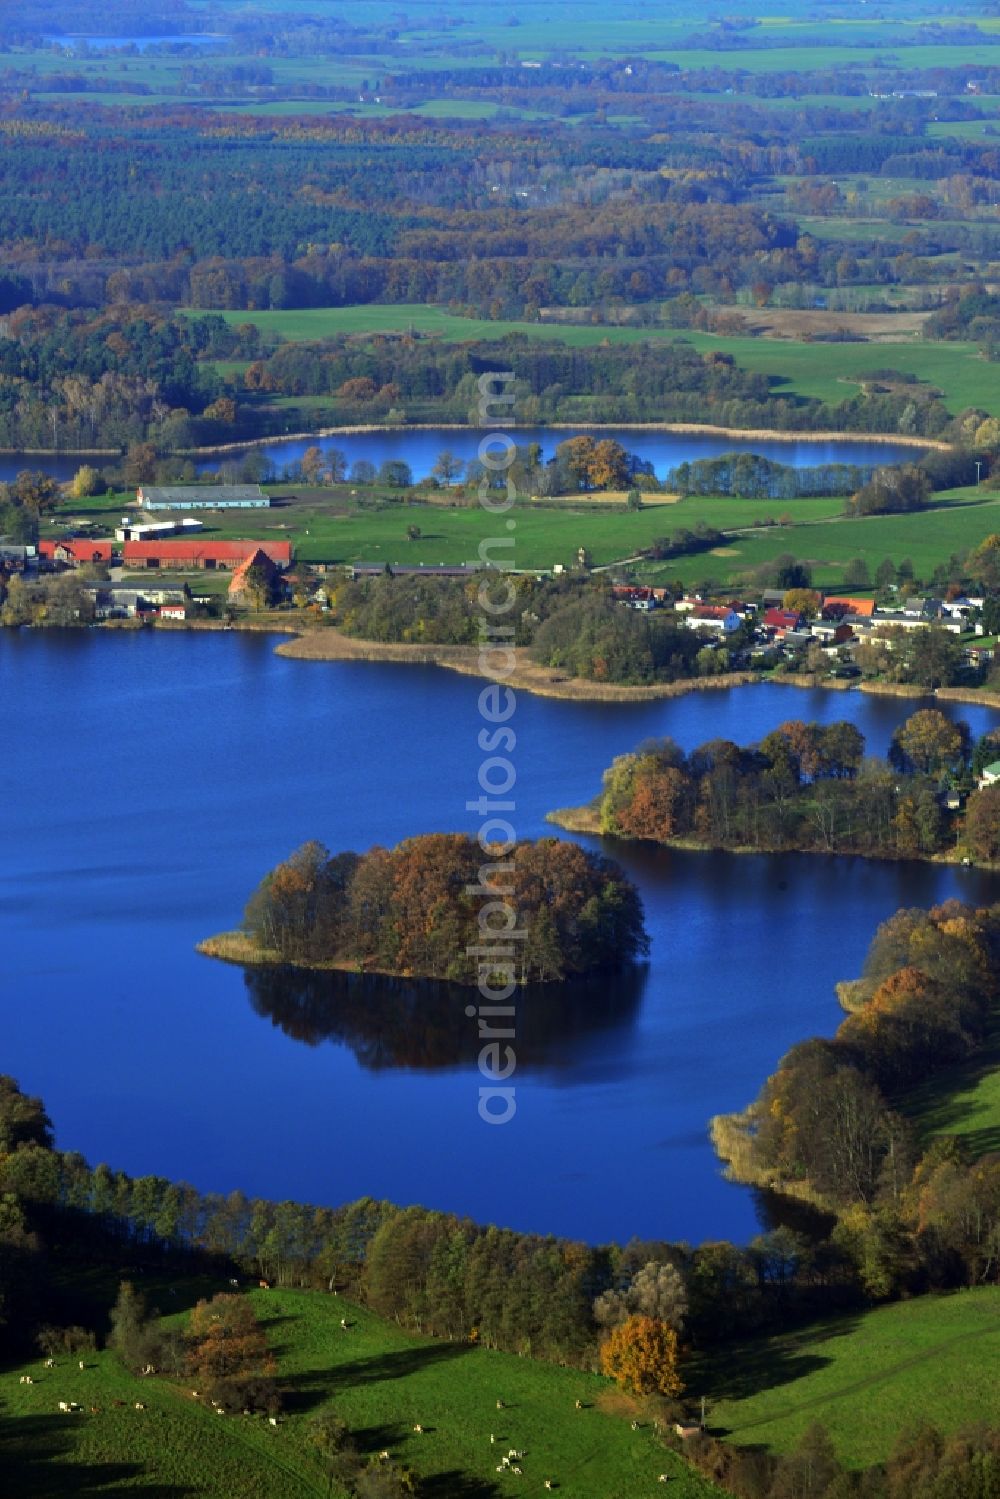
{"x":241,"y":584}
{"x":75,"y":551}
{"x":221,"y":556}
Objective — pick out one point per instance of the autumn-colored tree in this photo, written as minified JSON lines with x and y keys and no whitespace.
{"x":804,"y":601}
{"x":981,"y":832}
{"x":226,"y":1339}
{"x":359,"y":388}
{"x":641,"y":1356}
{"x":140,"y":464}
{"x":223,"y":410}
{"x":312,"y":464}
{"x":576,"y":455}
{"x":661,"y":805}
{"x":609,"y":467}
{"x":928,"y":742}
{"x":85,"y":482}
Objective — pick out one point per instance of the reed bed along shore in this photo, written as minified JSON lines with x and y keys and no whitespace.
{"x":527,"y":676}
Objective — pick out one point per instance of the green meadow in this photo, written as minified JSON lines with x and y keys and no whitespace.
{"x":928,"y":537}
{"x":963,"y":1101}
{"x":381,"y":1381}
{"x":866,"y":1378}
{"x":828,"y":372}
{"x":328,"y":525}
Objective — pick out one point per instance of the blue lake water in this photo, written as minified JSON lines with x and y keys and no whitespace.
{"x":149,"y":781}
{"x":421,"y":447}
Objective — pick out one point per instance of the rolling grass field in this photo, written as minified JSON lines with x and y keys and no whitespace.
{"x":866,"y":1378}
{"x":328,"y":525}
{"x":828,"y":372}
{"x":927,"y":537}
{"x":963,"y":1101}
{"x":380,"y":1380}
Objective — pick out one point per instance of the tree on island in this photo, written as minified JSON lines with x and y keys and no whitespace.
{"x":416,"y":909}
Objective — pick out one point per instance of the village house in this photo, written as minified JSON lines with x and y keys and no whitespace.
{"x":779,"y":621}
{"x":979,"y":655}
{"x":843,"y":606}
{"x":718,"y":617}
{"x":832,"y":632}
{"x":990,"y":774}
{"x":634,"y":596}
{"x":921,"y":622}
{"x":112,"y":601}
{"x":202,"y":497}
{"x":209,"y":556}
{"x":240,"y":591}
{"x":76,"y":552}
{"x":17,"y":559}
{"x":923,"y":609}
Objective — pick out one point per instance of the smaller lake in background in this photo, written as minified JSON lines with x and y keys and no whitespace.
{"x":420,"y":447}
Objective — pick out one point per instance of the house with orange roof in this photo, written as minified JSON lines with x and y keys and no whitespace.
{"x":241,"y":591}
{"x":843,"y":605}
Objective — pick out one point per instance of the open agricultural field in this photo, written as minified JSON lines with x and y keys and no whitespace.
{"x":380,"y":1380}
{"x":960,"y":520}
{"x":828,"y":372}
{"x":329,"y":525}
{"x":866,"y":1378}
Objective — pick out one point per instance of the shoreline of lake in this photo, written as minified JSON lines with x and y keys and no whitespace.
{"x":527,"y":675}
{"x":586,"y":820}
{"x":681,"y":429}
{"x":329,"y":644}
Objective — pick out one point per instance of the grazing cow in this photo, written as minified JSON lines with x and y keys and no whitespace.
{"x":343,"y":1321}
{"x":63,"y":1406}
{"x":139,"y":1405}
{"x":383,"y":1456}
{"x":515,"y":1469}
{"x":492,"y":1438}
{"x":418,"y":1428}
{"x":28,"y":1379}
{"x":500,"y":1405}
{"x":50,"y":1363}
{"x":663,"y":1478}
{"x":81,"y":1363}
{"x":95,"y":1410}
{"x":265,"y":1285}
{"x":272,"y":1420}
{"x":549,"y":1484}
{"x":233,"y":1281}
{"x":635,"y":1426}
{"x":117,"y":1402}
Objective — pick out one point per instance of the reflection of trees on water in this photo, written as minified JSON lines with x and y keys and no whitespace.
{"x":407,"y":1023}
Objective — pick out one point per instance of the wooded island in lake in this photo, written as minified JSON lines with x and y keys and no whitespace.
{"x":440,"y":907}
